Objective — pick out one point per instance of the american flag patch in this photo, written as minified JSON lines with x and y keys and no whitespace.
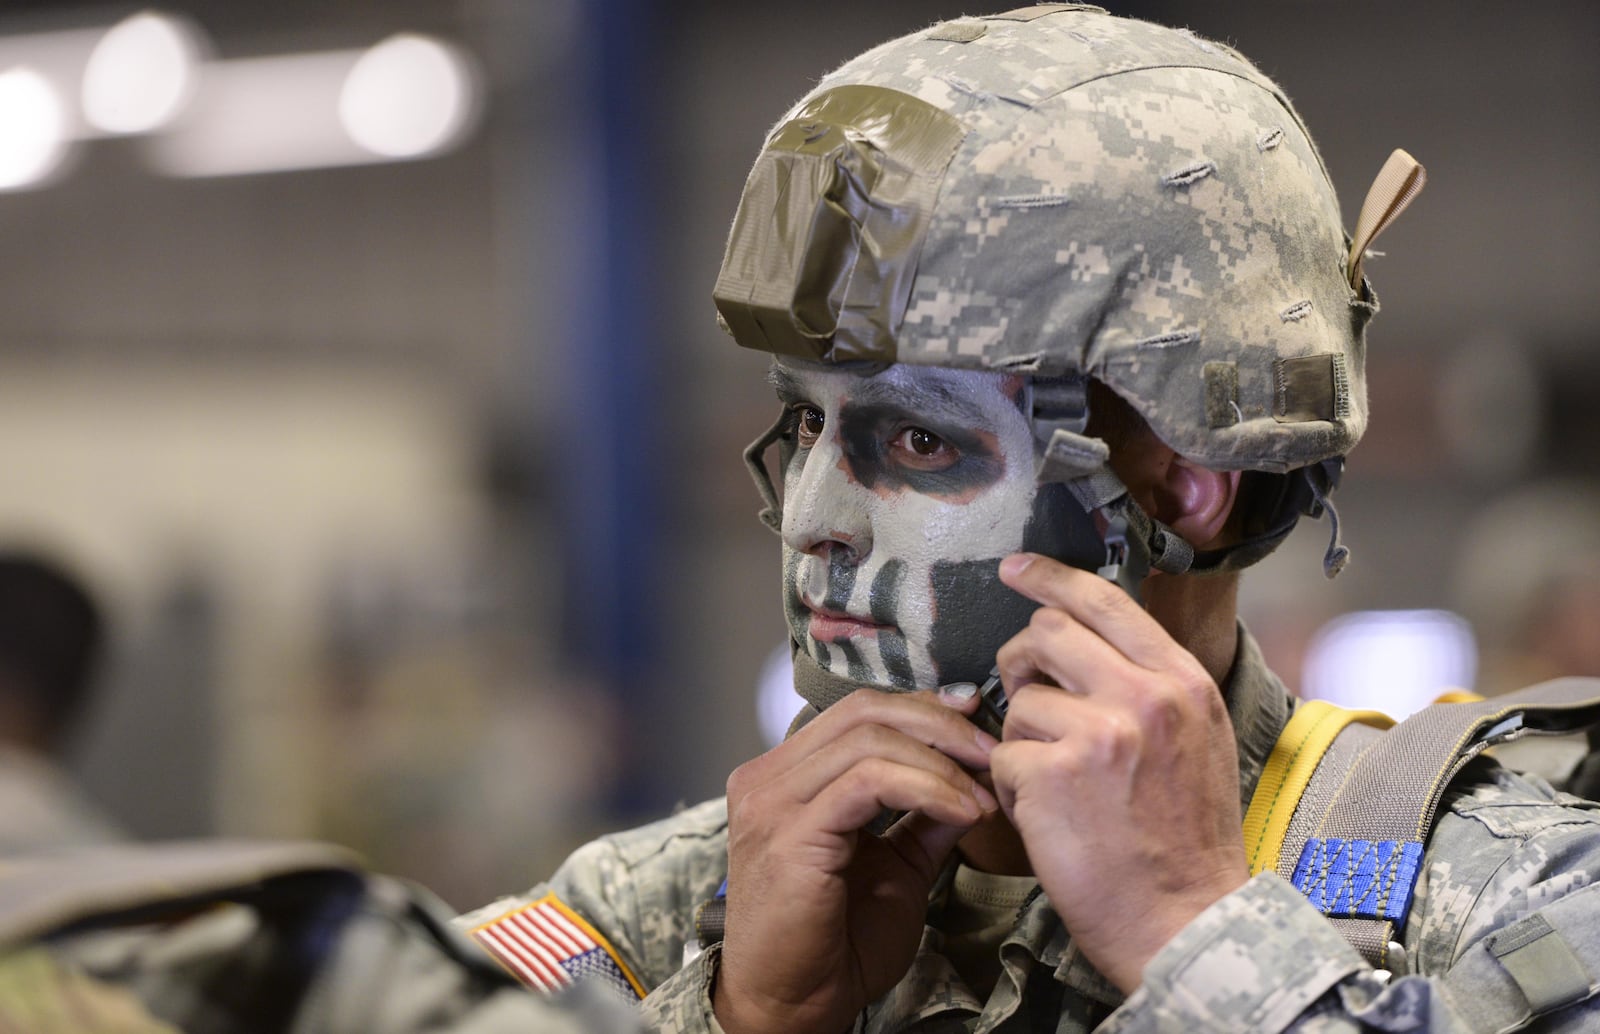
{"x":548,"y":946}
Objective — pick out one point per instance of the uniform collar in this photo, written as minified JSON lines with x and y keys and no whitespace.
{"x":1258,"y":706}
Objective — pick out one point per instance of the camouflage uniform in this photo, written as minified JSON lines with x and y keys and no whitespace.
{"x":1261,"y":959}
{"x":1066,"y":195}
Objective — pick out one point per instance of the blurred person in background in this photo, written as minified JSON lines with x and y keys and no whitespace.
{"x":1529,"y":581}
{"x":1052,"y":295}
{"x":103,"y":937}
{"x":51,"y":640}
{"x":99,"y":936}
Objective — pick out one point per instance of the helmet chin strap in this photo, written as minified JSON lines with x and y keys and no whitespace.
{"x":821,"y":689}
{"x":1082,"y":464}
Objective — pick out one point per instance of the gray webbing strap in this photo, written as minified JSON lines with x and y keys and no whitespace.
{"x":1359,"y":862}
{"x":1317,"y":797}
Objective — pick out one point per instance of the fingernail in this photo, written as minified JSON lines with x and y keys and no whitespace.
{"x":985,"y":798}
{"x":959,"y":692}
{"x":1015,"y":564}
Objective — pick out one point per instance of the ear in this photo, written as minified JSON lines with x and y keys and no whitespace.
{"x":1192,"y":500}
{"x":1195,"y":501}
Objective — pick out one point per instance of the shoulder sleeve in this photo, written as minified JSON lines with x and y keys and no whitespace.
{"x":619,"y":908}
{"x":682,"y":1005}
{"x":1505,"y":935}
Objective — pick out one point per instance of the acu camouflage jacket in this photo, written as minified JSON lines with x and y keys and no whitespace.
{"x":1261,"y":959}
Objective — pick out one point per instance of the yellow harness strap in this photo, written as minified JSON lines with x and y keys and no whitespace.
{"x":1289,"y":768}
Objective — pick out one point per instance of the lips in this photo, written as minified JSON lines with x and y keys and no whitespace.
{"x":829,"y":626}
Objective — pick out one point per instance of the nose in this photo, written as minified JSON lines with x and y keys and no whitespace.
{"x":826,"y":512}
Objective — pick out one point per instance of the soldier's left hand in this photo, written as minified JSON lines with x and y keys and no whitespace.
{"x":1118,"y":768}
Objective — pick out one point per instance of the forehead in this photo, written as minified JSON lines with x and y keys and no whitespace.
{"x":977,"y":395}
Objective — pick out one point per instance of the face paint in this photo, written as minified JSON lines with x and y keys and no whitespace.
{"x":904,"y":487}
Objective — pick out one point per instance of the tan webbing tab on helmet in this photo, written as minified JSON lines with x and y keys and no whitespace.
{"x":1222,"y":394}
{"x":1401,"y":179}
{"x":1311,"y":387}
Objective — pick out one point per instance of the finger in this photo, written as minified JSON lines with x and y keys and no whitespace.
{"x":858,"y":796}
{"x":1098,"y":604}
{"x":921,"y":716}
{"x":1056,"y":649}
{"x":1040,"y":712}
{"x":961,"y":697}
{"x":1058,"y":768}
{"x":923,"y":842}
{"x":804,"y":781}
{"x":1017,"y":758}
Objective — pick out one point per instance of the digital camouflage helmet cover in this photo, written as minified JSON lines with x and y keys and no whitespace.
{"x":1062,"y":193}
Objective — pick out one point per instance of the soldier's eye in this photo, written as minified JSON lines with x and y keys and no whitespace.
{"x":808,"y":425}
{"x":923,"y":450}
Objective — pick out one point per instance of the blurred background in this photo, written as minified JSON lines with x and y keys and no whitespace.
{"x":360,"y":357}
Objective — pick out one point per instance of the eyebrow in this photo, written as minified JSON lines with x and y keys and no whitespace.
{"x":786,"y":386}
{"x":928,"y":399}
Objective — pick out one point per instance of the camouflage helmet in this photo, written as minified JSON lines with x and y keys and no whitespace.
{"x":1063,"y":193}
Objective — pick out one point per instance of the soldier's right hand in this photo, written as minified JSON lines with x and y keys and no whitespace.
{"x":824,"y":917}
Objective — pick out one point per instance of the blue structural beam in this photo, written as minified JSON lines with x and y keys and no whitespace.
{"x":609,"y":474}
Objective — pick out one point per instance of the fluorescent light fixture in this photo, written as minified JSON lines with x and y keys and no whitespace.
{"x":408,"y":97}
{"x":140,"y":74}
{"x":1394,"y":661}
{"x":58,"y":58}
{"x":32,"y":129}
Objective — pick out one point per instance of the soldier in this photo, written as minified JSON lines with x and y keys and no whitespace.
{"x":1051,"y":294}
{"x":51,"y":637}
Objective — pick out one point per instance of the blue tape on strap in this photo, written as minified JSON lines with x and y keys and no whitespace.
{"x":1362,"y":879}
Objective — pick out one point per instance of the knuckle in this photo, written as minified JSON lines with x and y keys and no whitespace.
{"x":1113,"y":737}
{"x":1049,"y":620}
{"x":1013,"y":654}
{"x":1162,"y":711}
{"x":741,"y":781}
{"x":869,"y":739}
{"x":745,"y":813}
{"x":1103,"y":601}
{"x":1195,"y":691}
{"x":1067,"y":762}
{"x":866,"y":776}
{"x":856,"y":704}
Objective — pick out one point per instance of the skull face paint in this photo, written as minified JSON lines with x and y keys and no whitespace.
{"x":904,"y":487}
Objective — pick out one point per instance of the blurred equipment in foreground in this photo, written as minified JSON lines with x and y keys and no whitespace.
{"x":247,"y":938}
